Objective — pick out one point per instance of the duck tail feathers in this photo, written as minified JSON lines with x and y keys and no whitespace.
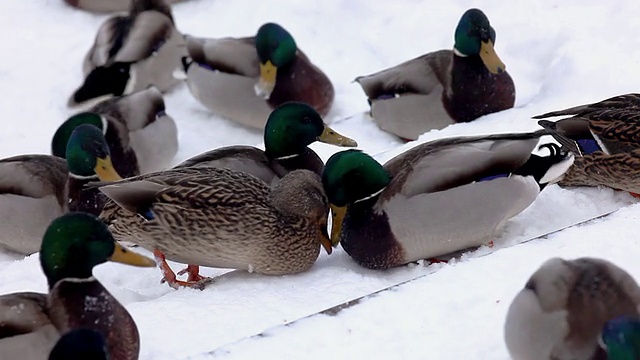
{"x":547,"y":169}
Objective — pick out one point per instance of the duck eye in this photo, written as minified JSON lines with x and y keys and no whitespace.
{"x":306,"y":120}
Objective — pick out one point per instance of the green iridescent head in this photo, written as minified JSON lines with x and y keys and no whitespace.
{"x":61,"y":137}
{"x":276,"y":50}
{"x":76,"y":242}
{"x":475,"y":36}
{"x":88,"y":154}
{"x":621,"y":337}
{"x":352,"y":175}
{"x":292,"y":126}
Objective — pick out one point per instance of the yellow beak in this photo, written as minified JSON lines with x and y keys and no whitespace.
{"x":267,"y":81}
{"x":330,"y":136}
{"x":490,"y":58}
{"x":124,"y":256}
{"x":337,"y":217}
{"x":105,"y":171}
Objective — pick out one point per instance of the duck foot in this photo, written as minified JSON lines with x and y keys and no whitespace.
{"x":437,"y":261}
{"x":490,"y":244}
{"x":195,"y":281}
{"x":194,"y":273}
{"x":635,"y":195}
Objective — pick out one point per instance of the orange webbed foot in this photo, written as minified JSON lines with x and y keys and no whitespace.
{"x":194,"y":280}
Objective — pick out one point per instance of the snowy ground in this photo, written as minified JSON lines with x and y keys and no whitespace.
{"x":560,"y":53}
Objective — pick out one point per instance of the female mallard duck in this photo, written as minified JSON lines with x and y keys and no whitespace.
{"x":442,"y":87}
{"x":289,"y":129}
{"x":30,"y":323}
{"x":418,"y":205}
{"x":141,"y":136}
{"x":46,"y":187}
{"x":605,"y":138}
{"x":221,"y":218}
{"x":562,"y":309}
{"x":132,"y":52}
{"x":105,"y":5}
{"x":245,"y":79}
{"x":80,"y":344}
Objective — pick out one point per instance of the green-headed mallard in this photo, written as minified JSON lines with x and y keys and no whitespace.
{"x":621,"y":338}
{"x":442,"y":87}
{"x":141,"y":136}
{"x":132,"y":52}
{"x":80,"y":344}
{"x":243,"y":79}
{"x":605,"y":137}
{"x":46,"y":187}
{"x":562,"y":309}
{"x":289,"y":129}
{"x":105,"y":5}
{"x":437,"y":198}
{"x":30,"y":323}
{"x":221,"y":218}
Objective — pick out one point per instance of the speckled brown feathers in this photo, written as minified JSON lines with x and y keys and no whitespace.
{"x":618,"y":171}
{"x":613,"y":126}
{"x":222,"y":218}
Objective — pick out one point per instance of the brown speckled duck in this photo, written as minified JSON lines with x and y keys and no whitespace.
{"x":435,"y":199}
{"x":244,"y":79}
{"x":561,"y":312}
{"x":442,"y":87}
{"x":31,"y":323}
{"x":35,"y":189}
{"x":132,"y":52}
{"x":221,"y":218}
{"x":605,"y":137}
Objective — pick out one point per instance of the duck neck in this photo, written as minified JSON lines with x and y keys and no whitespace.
{"x":83,"y":199}
{"x":307,"y":160}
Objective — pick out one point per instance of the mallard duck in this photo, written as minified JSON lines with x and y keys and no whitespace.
{"x":244,"y":79}
{"x":621,"y":338}
{"x":80,"y":344}
{"x":562,"y":309}
{"x":105,"y":5}
{"x":442,"y":87}
{"x":221,"y":218}
{"x":419,"y":205}
{"x":289,"y":129}
{"x":31,"y":323}
{"x":132,"y":52}
{"x":141,"y":136}
{"x":606,"y":140}
{"x":46,"y":187}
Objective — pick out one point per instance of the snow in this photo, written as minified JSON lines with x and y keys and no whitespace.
{"x":560,"y":53}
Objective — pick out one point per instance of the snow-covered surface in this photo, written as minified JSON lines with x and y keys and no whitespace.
{"x":560,"y":53}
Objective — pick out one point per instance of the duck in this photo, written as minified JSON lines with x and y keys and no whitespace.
{"x":605,"y":138}
{"x":290,"y":128}
{"x":443,"y":87}
{"x":419,"y":205}
{"x":217,"y":217}
{"x":141,"y":136}
{"x":31,"y":323}
{"x":621,"y":338}
{"x":46,"y":187}
{"x":80,"y":344}
{"x":130,"y":53}
{"x":562,"y":310}
{"x":102,"y":6}
{"x":244,"y":79}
